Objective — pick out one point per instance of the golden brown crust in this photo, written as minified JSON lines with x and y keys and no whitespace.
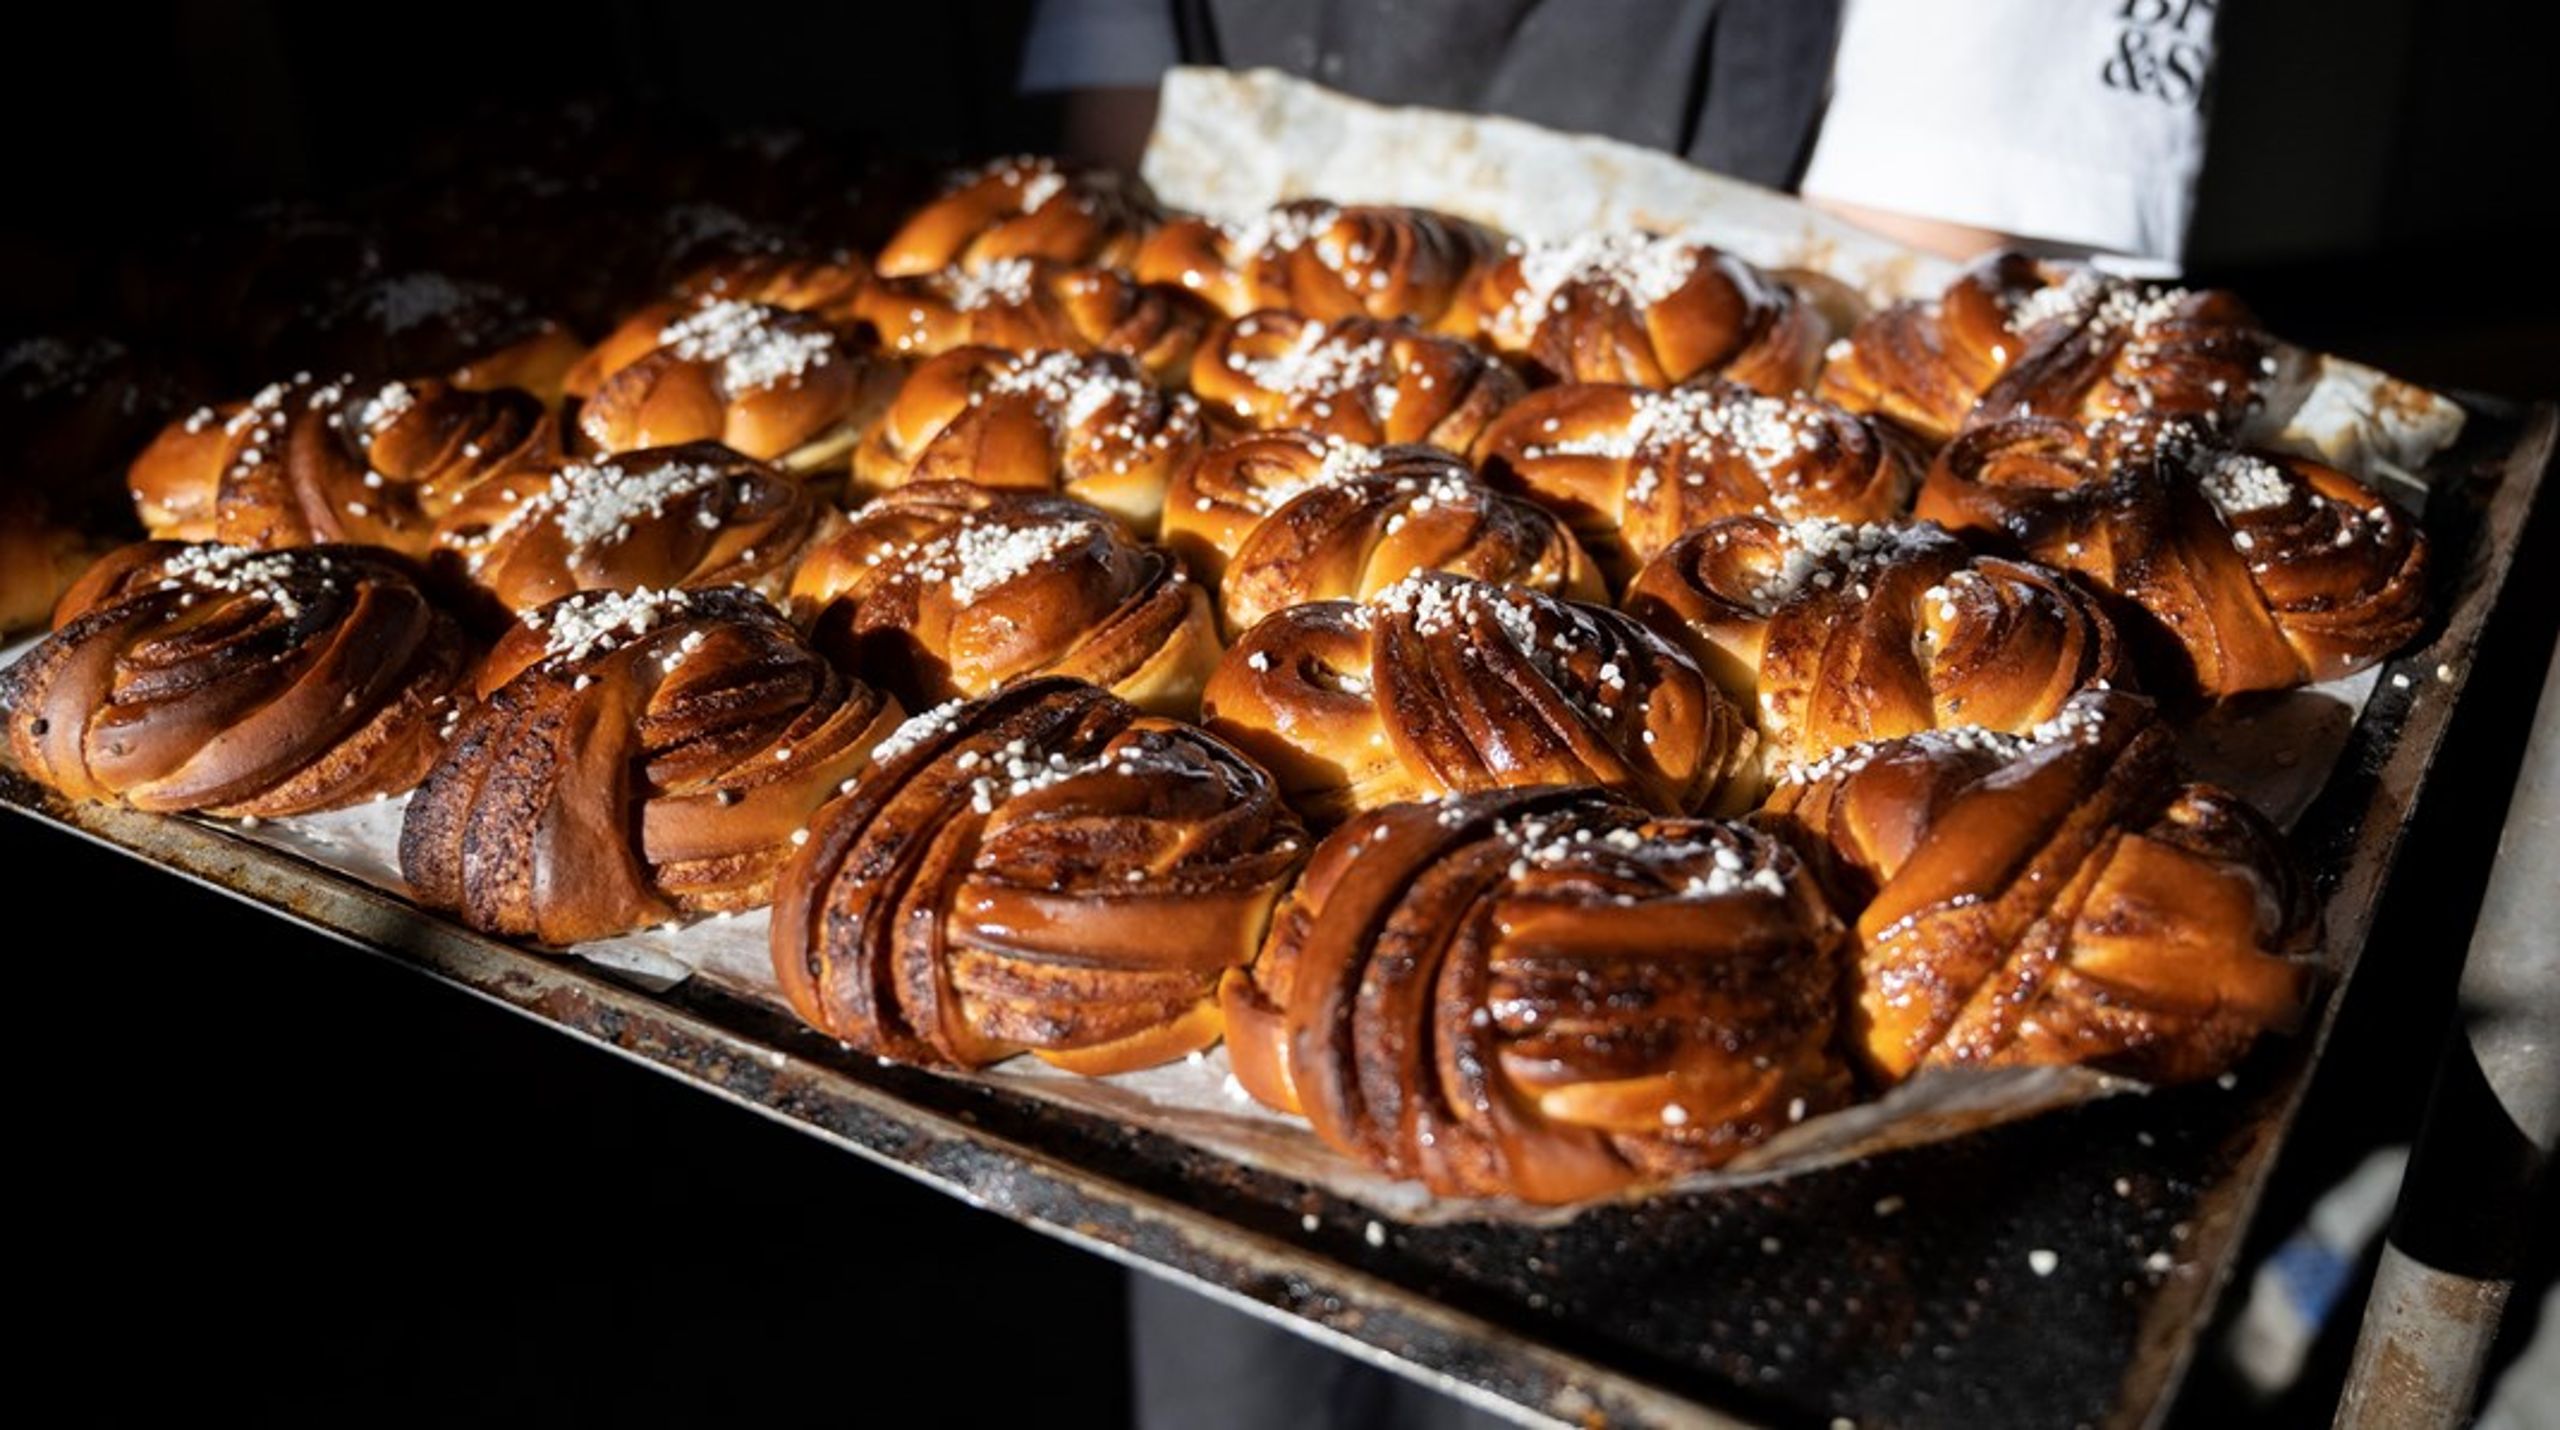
{"x":632,"y":758}
{"x":1544,"y":994}
{"x":1832,"y":634}
{"x":827,"y":286}
{"x":1045,"y":870}
{"x":949,"y":589}
{"x":828,"y":290}
{"x":1323,"y":261}
{"x":1442,"y":685}
{"x":1027,"y":305}
{"x":477,"y":336}
{"x":2241,"y":570}
{"x":305,"y":462}
{"x":2015,"y":336}
{"x":237,"y":682}
{"x":538,"y":363}
{"x":1374,"y":383}
{"x":1025,"y":208}
{"x":778,"y":385}
{"x":1089,"y":425}
{"x":2061,"y":898}
{"x":1648,"y":311}
{"x":695,"y":515}
{"x":1278,"y":519}
{"x":1631,"y":469}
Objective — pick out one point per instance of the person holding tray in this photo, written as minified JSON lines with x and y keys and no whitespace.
{"x":1955,"y":126}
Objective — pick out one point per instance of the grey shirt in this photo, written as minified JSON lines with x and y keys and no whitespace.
{"x":1733,"y":85}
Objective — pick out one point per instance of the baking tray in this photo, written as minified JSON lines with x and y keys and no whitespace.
{"x":2057,"y":1271}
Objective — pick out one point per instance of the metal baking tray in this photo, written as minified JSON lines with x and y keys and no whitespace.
{"x":2057,"y":1271}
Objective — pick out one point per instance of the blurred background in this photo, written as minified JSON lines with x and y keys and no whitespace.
{"x":282,"y":1178}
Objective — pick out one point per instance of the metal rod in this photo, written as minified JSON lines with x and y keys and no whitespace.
{"x":2465,"y":1213}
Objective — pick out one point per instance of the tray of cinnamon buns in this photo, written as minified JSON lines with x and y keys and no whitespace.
{"x":1277,"y":743}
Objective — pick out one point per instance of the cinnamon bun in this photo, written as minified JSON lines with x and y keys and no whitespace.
{"x":1442,"y":685}
{"x":1546,"y":994}
{"x":237,"y":682}
{"x":1044,"y":870}
{"x":634,"y":757}
{"x":948,"y":590}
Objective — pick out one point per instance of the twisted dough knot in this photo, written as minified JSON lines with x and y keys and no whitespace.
{"x":2241,"y":570}
{"x":1835,"y":634}
{"x":1630,"y":469}
{"x":2015,"y":336}
{"x":1543,"y":993}
{"x":1279,"y":519}
{"x":828,"y":290}
{"x":695,"y":515}
{"x":1045,"y":870}
{"x":951,"y":589}
{"x":634,"y":756}
{"x":1323,"y":262}
{"x":769,"y":382}
{"x":1363,"y":381}
{"x":305,"y":462}
{"x":1441,"y":685}
{"x":480,"y":336}
{"x":1087,"y":424}
{"x":829,"y":286}
{"x":1027,"y":304}
{"x":2056,"y":897}
{"x":1645,"y":310}
{"x":236,"y":682}
{"x":1025,"y":208}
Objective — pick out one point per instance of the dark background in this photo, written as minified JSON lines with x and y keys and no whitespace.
{"x":272,"y":1175}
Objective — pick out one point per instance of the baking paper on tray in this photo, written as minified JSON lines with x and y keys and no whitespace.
{"x":1230,"y":144}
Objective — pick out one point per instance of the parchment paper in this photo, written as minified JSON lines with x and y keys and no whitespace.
{"x":1231,"y":144}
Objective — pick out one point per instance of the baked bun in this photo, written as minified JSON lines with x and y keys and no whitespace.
{"x":1025,"y":208}
{"x":1278,"y":519}
{"x":828,"y":290}
{"x":236,"y":682}
{"x":1645,"y":310}
{"x":1546,"y":994}
{"x":695,"y":515}
{"x":2238,"y":570}
{"x":305,"y":462}
{"x":777,"y":385}
{"x":480,"y":337}
{"x":1029,"y":304}
{"x":2054,"y":897}
{"x":1323,"y":261}
{"x":1044,"y":870}
{"x":1089,"y":425}
{"x":2016,"y":336}
{"x":947,"y":589}
{"x":634,"y":757}
{"x":1363,"y":381}
{"x":1441,"y":685}
{"x":1834,"y":634}
{"x":1630,"y":468}
{"x":829,"y":286}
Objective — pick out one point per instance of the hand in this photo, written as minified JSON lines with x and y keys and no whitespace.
{"x":1948,"y":240}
